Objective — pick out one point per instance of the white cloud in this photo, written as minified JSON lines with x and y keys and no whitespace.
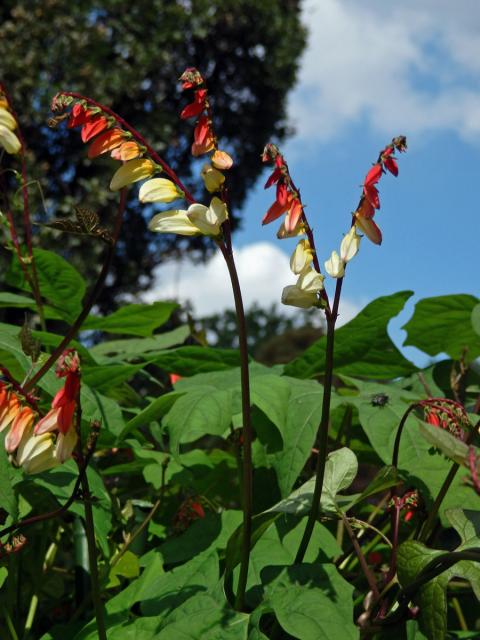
{"x":401,"y":67}
{"x":263,"y":271}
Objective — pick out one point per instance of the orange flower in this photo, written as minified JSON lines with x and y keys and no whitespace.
{"x":127,"y":151}
{"x":105,"y":142}
{"x":22,"y":422}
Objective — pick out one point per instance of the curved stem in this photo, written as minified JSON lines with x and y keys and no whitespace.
{"x":246,"y":430}
{"x":396,"y":446}
{"x":151,"y":151}
{"x":88,"y":304}
{"x":322,"y":434}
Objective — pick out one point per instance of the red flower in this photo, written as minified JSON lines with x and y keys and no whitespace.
{"x":293,"y":216}
{"x":282,"y":193}
{"x":274,"y":177}
{"x":202,"y":131}
{"x":371,"y":194}
{"x":93,"y":127}
{"x":79,"y":116}
{"x":196,"y":107}
{"x":275,"y":211}
{"x":374,"y":175}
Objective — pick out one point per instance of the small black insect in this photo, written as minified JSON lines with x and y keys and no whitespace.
{"x":379,"y":400}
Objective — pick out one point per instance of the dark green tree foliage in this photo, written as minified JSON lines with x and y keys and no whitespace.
{"x":128,"y":55}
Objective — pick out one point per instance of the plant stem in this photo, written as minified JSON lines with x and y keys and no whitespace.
{"x":322,"y":434}
{"x":88,"y":304}
{"x":428,"y":525}
{"x":458,"y":610}
{"x":92,"y":558}
{"x":11,"y":628}
{"x":246,"y":429}
{"x":361,"y":558}
{"x":396,"y":446}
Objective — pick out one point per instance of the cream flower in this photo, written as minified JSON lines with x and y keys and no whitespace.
{"x":334,"y":266}
{"x":8,"y":140}
{"x":310,"y":280}
{"x":208,"y":219}
{"x":350,"y":245}
{"x":36,"y":453}
{"x":173,"y":221}
{"x":7,"y":120}
{"x":159,"y":190}
{"x":301,"y":257}
{"x":296,"y":297}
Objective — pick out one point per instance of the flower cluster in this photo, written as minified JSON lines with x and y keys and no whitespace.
{"x":105,"y":135}
{"x":370,"y":199}
{"x":50,"y":442}
{"x":190,"y":510}
{"x":447,"y":414}
{"x":8,"y":139}
{"x":335,"y":265}
{"x":287,"y":196}
{"x":198,"y":219}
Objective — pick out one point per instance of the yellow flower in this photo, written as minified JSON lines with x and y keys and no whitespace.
{"x":296,"y":297}
{"x":159,"y":190}
{"x":350,"y":245}
{"x":132,"y":171}
{"x":7,"y":120}
{"x":301,"y":257}
{"x":334,"y":266}
{"x":212,"y":178}
{"x":8,"y":140}
{"x":65,"y":445}
{"x":173,"y":221}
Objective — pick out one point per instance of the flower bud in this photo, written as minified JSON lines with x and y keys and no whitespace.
{"x":299,"y":230}
{"x":301,"y":257}
{"x":221,"y":160}
{"x":334,"y":266}
{"x":350,"y":245}
{"x":159,"y":190}
{"x":296,"y":297}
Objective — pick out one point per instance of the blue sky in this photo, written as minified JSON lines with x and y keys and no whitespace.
{"x":374,"y":70}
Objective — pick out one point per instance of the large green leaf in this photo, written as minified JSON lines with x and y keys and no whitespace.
{"x":313,"y":602}
{"x":133,"y":319}
{"x":135,"y":348}
{"x":476,"y":319}
{"x":60,"y":283}
{"x":105,"y":377}
{"x":432,"y":597}
{"x":8,"y":498}
{"x":443,"y":325}
{"x":155,"y":410}
{"x":425,"y":468}
{"x":362,"y":346}
{"x":187,"y":361}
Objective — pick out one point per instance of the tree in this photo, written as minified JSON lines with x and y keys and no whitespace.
{"x":128,"y":56}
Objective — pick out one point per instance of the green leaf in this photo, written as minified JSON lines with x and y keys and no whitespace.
{"x":476,"y":319}
{"x":15,"y":301}
{"x":96,"y":406}
{"x":443,"y":325}
{"x":105,"y":377}
{"x":126,"y":567}
{"x":60,"y":283}
{"x":187,"y":361}
{"x":424,"y":468}
{"x":203,"y":411}
{"x":431,"y":597}
{"x":362,"y":346}
{"x":313,"y":602}
{"x":451,"y":446}
{"x":133,"y":319}
{"x":135,"y":348}
{"x":298,"y":426}
{"x":3,"y":575}
{"x":155,"y":410}
{"x":8,"y":498}
{"x":386,"y":478}
{"x":340,"y":470}
{"x":202,"y":616}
